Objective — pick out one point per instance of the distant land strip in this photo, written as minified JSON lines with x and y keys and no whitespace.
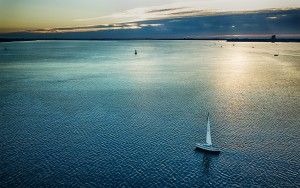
{"x":111,"y":39}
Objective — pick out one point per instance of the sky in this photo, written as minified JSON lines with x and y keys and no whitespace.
{"x":147,"y":18}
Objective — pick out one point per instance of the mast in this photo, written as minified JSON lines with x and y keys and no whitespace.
{"x":208,"y":136}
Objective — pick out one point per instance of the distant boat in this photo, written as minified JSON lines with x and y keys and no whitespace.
{"x":276,"y":54}
{"x":207,"y":147}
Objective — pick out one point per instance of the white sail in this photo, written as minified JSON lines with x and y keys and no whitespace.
{"x":208,"y":136}
{"x":208,"y":147}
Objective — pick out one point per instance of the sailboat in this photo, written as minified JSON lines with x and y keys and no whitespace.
{"x":208,"y":146}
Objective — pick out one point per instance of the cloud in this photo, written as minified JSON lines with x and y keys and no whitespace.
{"x":190,"y":8}
{"x":272,"y":17}
{"x":165,"y":10}
{"x":143,"y":14}
{"x":251,"y":23}
{"x":93,"y":28}
{"x":150,"y":25}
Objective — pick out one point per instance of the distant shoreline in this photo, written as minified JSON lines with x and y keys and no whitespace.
{"x":262,"y":40}
{"x":123,"y":39}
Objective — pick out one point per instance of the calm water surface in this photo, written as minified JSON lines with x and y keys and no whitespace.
{"x":91,"y":113}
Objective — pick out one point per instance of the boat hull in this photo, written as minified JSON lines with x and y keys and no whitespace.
{"x":207,"y":148}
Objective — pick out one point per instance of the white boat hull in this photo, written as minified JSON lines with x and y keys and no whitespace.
{"x":207,"y":148}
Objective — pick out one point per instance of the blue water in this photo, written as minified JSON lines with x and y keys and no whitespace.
{"x":92,"y":114}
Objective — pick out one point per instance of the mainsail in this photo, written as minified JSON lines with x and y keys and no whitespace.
{"x":208,"y":147}
{"x":208,"y":136}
